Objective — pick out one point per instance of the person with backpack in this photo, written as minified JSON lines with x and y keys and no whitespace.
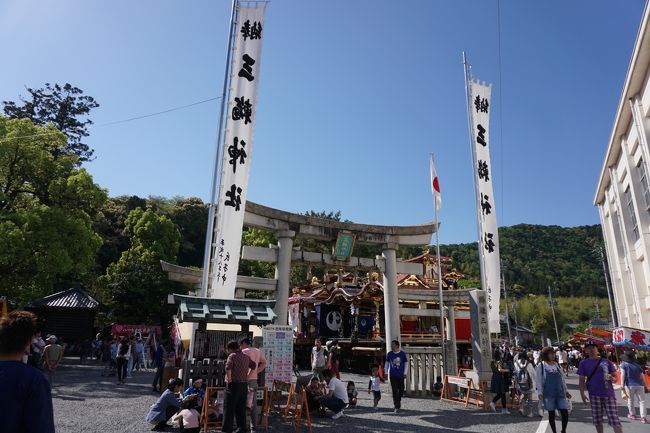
{"x":633,"y":389}
{"x":525,"y":383}
{"x":596,"y":376}
{"x":551,"y":388}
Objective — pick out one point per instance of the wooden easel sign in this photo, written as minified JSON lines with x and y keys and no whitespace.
{"x":298,"y":409}
{"x":464,"y":385}
{"x":279,"y":401}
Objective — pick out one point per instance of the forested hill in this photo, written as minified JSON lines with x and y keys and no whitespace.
{"x":536,"y":256}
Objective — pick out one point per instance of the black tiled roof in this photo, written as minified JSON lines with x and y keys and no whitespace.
{"x":71,"y":298}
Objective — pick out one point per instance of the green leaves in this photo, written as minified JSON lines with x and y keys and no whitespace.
{"x":46,"y":233}
{"x":136,"y":282}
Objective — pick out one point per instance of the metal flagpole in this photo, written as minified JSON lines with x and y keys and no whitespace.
{"x":214,"y":201}
{"x":442,"y":307}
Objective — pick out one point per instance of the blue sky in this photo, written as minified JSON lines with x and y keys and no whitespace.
{"x":354,"y":95}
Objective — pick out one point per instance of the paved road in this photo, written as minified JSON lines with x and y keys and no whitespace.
{"x":580,"y":418}
{"x":86,"y":402}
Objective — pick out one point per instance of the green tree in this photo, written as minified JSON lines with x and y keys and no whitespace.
{"x":537,"y":256}
{"x":257,"y":237}
{"x":191,"y":217}
{"x":46,"y":209}
{"x":66,"y":107}
{"x":136,"y":282}
{"x":109,"y":223}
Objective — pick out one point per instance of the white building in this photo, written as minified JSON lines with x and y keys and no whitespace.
{"x":623,"y":194}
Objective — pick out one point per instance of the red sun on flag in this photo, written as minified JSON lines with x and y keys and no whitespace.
{"x":436,"y":186}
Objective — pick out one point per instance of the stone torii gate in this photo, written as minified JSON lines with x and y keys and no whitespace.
{"x":288,"y":226}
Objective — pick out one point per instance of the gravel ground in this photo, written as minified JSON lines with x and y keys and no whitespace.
{"x":86,"y":402}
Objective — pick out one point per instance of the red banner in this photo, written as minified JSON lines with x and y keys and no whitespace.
{"x":128,"y":330}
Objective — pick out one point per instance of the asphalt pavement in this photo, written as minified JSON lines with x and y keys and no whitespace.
{"x":84,"y":401}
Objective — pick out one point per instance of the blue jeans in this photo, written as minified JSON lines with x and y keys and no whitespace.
{"x":334,"y":404}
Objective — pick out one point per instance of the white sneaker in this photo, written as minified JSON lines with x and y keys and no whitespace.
{"x":337,"y":415}
{"x":505,"y":411}
{"x":493,"y":406}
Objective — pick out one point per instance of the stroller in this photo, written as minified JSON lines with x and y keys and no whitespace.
{"x":301,"y":380}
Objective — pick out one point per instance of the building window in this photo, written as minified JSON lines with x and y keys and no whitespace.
{"x":630,"y":209}
{"x":644,"y":184}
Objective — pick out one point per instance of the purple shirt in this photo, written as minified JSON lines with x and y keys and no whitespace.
{"x":596,"y":385}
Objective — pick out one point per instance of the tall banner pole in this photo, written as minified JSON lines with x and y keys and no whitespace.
{"x":209,"y":234}
{"x":238,"y":144}
{"x":481,"y":343}
{"x":478,"y":104}
{"x":468,"y":95}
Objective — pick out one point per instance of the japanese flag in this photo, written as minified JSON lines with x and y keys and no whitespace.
{"x":435,"y":186}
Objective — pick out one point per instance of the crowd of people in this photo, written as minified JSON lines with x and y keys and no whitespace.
{"x":543,"y":372}
{"x":243,"y":365}
{"x":526,"y":374}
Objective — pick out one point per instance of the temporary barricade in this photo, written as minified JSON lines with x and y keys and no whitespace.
{"x":457,"y":389}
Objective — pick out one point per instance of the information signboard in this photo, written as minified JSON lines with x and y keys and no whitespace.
{"x":278,"y":350}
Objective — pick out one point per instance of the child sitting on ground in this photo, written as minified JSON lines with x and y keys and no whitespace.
{"x":374,"y":387}
{"x":314,"y":392}
{"x":352,"y":394}
{"x":437,"y":387}
{"x":188,"y":416}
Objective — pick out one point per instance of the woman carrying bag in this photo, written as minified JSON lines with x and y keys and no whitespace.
{"x":498,"y":385}
{"x":551,"y":388}
{"x":634,"y":386}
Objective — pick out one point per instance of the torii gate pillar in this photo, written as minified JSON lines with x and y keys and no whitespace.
{"x":391,"y":301}
{"x":282,"y":271}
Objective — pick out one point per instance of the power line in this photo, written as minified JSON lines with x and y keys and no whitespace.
{"x":158,"y":113}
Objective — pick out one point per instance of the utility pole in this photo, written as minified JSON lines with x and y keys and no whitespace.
{"x":610,"y":293}
{"x":505,"y":299}
{"x":552,"y":304}
{"x":514,"y":313}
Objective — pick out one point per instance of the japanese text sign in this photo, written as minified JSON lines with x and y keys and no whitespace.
{"x":237,"y":148}
{"x":487,"y":221}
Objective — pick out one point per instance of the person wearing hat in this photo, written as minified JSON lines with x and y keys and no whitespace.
{"x":596,"y":376}
{"x":196,"y":388}
{"x":25,"y":394}
{"x":52,"y":356}
{"x":166,"y":406}
{"x":633,"y":389}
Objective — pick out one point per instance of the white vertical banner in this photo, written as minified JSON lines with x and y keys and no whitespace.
{"x":237,"y":148}
{"x":479,"y":106}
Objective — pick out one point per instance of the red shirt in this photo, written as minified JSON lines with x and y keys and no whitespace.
{"x":239,"y":364}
